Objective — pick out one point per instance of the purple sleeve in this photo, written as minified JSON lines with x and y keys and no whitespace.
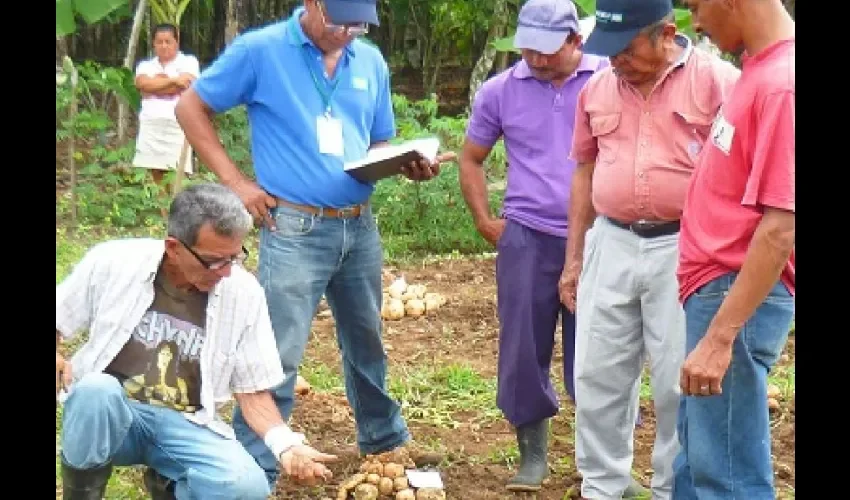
{"x":485,"y":123}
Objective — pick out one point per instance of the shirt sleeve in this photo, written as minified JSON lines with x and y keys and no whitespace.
{"x":485,"y":122}
{"x":145,"y":68}
{"x":193,"y":67}
{"x":584,"y":148}
{"x":75,"y":296}
{"x":257,"y":364}
{"x":771,"y":179}
{"x":230,"y":80}
{"x":383,"y":125}
{"x":725,"y":77}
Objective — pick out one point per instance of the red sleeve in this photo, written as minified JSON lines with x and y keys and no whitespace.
{"x":771,"y":179}
{"x":584,"y":148}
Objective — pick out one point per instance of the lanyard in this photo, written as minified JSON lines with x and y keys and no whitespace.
{"x":326,"y":96}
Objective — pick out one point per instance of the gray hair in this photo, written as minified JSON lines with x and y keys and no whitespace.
{"x":203,"y":203}
{"x":653,"y":31}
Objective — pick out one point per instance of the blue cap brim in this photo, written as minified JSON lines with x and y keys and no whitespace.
{"x":347,"y":12}
{"x":541,"y":40}
{"x":608,"y":43}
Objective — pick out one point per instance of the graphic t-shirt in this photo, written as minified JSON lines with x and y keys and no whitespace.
{"x":160,"y":364}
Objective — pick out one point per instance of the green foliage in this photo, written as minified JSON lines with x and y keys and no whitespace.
{"x":168,"y":11}
{"x":91,"y":11}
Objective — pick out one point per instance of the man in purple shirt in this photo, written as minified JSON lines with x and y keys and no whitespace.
{"x":532,"y":106}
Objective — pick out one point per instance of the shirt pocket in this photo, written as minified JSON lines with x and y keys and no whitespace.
{"x":690,"y":134}
{"x":602,"y":127}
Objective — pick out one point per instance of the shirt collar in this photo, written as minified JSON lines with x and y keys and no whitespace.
{"x":587,"y":64}
{"x":295,"y":33}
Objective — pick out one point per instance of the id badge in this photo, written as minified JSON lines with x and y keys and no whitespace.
{"x":329,"y":135}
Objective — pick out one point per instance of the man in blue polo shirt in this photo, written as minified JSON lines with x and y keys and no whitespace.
{"x":316,"y":97}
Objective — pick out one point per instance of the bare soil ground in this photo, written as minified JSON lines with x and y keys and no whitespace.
{"x":465,"y":331}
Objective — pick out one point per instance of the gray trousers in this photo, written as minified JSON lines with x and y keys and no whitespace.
{"x":627,"y":308}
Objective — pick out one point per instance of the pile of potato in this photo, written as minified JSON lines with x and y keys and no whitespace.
{"x":384,"y":477}
{"x":773,"y":394}
{"x":413,"y":300}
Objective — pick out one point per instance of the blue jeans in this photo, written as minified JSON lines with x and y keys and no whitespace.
{"x":100,"y":425}
{"x":725,"y":438}
{"x":307,"y":256}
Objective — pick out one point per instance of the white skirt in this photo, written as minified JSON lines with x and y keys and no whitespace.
{"x":159,"y":144}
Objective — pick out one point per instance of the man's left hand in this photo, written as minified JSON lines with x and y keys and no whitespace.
{"x":705,"y":367}
{"x":424,"y":170}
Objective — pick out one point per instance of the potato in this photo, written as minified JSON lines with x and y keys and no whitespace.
{"x":432,"y":304}
{"x":773,"y":391}
{"x":385,"y":486}
{"x":342,"y":494}
{"x":408,"y":295}
{"x":393,"y":470}
{"x":394,"y":310}
{"x":397,"y":288}
{"x":414,"y":308}
{"x":400,"y":483}
{"x":772,"y":404}
{"x":373,"y":479}
{"x":353,"y":481}
{"x":405,"y":495}
{"x":366,"y":491}
{"x":418,"y":291}
{"x":430,"y":494}
{"x":302,"y":387}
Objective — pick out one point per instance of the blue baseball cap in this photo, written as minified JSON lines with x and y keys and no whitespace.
{"x":619,"y":21}
{"x":352,"y":11}
{"x":544,"y":25}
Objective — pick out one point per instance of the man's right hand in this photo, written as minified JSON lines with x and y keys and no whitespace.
{"x":257,"y":201}
{"x":491,"y":230}
{"x":568,"y":285}
{"x":306,"y":466}
{"x":64,"y":375}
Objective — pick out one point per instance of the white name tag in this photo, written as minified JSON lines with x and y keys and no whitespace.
{"x":722,"y":134}
{"x":329,"y":135}
{"x":359,"y":83}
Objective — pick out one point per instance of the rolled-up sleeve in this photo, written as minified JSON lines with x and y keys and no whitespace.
{"x":257,"y":364}
{"x":584,"y":148}
{"x":75,"y":296}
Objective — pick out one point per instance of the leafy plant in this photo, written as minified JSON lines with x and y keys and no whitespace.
{"x":91,"y":11}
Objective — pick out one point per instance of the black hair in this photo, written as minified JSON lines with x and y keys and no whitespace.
{"x":167,"y":27}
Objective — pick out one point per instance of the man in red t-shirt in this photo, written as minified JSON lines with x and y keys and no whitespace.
{"x":736,"y":264}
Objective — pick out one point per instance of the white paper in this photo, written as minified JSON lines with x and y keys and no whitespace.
{"x":424,"y":479}
{"x":329,"y":132}
{"x":427,"y":147}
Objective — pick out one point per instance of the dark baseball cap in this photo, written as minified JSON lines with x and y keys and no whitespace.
{"x":619,"y":21}
{"x":544,"y":25}
{"x":352,"y":11}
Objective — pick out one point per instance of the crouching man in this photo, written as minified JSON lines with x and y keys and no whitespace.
{"x":176,"y":327}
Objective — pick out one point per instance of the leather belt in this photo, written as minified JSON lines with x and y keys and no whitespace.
{"x":337,"y":213}
{"x":648,"y":229}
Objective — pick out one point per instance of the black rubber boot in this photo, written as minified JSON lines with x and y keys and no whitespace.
{"x":84,"y":484}
{"x":533,"y":441}
{"x":159,"y":486}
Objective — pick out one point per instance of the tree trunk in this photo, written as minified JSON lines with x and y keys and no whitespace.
{"x":498,"y":27}
{"x":132,"y":46}
{"x":237,"y":19}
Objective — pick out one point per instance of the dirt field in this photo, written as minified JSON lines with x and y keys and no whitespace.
{"x":464,"y":331}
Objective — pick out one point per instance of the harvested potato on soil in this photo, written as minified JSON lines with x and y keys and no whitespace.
{"x":773,"y":391}
{"x":430,"y":494}
{"x":373,"y":479}
{"x":385,"y":486}
{"x":414,"y":308}
{"x":366,"y":491}
{"x":397,"y":288}
{"x":405,"y":495}
{"x":392,"y":310}
{"x":400,"y":483}
{"x":302,"y":387}
{"x":772,"y":404}
{"x":393,"y":470}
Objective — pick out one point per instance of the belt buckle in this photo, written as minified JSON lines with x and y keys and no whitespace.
{"x":641,"y":225}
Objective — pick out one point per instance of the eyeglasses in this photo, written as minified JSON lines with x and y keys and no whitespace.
{"x":352,"y":29}
{"x":237,"y":259}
